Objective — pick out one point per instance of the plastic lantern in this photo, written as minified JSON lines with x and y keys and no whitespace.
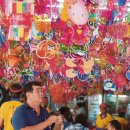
{"x":120,"y":82}
{"x":77,"y":12}
{"x":92,"y":23}
{"x":94,"y":2}
{"x":43,"y":23}
{"x":117,"y":30}
{"x":46,"y":49}
{"x":109,"y":85}
{"x":121,"y":2}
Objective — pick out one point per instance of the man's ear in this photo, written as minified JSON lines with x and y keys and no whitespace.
{"x":27,"y":94}
{"x":9,"y":94}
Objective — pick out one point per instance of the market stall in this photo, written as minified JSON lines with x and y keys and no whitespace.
{"x":71,"y":46}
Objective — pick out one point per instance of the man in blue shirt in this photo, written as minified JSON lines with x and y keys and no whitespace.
{"x":31,"y":115}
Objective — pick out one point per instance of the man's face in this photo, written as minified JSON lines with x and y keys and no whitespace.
{"x":102,"y":110}
{"x":37,"y":94}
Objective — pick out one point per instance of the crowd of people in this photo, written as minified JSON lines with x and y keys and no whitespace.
{"x":27,"y":109}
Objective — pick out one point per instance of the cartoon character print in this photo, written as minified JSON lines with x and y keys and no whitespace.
{"x":77,"y":28}
{"x":63,"y":32}
{"x":77,"y":12}
{"x":75,"y":65}
{"x":109,"y":85}
{"x":92,"y":23}
{"x":46,"y":49}
{"x":80,"y":36}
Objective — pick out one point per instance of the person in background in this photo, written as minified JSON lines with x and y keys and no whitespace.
{"x":67,"y":116}
{"x":7,"y":108}
{"x":45,"y":104}
{"x":80,"y":123}
{"x":103,"y":118}
{"x":81,"y":108}
{"x":114,"y":125}
{"x":121,"y":118}
{"x":31,"y":115}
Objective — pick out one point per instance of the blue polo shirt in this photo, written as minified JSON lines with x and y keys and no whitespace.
{"x":27,"y":116}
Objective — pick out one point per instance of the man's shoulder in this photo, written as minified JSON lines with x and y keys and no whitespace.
{"x":109,"y":115}
{"x":98,"y":116}
{"x":21,"y":108}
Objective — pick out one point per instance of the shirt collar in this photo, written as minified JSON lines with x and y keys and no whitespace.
{"x":15,"y":99}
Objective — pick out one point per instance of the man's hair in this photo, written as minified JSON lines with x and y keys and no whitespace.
{"x":29,"y":87}
{"x":15,"y":90}
{"x":65,"y":111}
{"x":80,"y":118}
{"x":115,"y":124}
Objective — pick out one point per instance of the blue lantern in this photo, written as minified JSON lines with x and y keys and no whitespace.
{"x":121,"y":2}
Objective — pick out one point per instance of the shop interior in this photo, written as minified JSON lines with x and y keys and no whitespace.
{"x":80,"y":52}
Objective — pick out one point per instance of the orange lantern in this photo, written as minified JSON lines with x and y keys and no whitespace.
{"x":42,"y":23}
